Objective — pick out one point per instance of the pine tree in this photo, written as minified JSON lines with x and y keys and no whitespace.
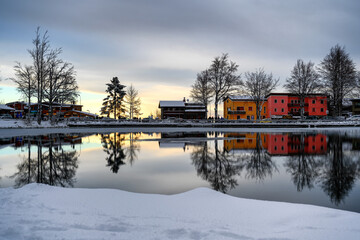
{"x":113,"y":103}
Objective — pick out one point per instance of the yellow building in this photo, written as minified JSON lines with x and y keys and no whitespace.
{"x":244,"y":141}
{"x":242,"y":107}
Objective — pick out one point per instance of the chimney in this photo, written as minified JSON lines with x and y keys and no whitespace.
{"x":184,"y":100}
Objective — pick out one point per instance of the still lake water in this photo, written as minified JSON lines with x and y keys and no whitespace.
{"x":319,"y":168}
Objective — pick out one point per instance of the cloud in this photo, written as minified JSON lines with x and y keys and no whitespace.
{"x":158,"y":43}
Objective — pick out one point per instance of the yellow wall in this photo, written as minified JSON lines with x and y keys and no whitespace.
{"x":233,"y":105}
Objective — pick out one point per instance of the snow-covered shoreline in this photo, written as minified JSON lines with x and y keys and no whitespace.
{"x":44,"y":212}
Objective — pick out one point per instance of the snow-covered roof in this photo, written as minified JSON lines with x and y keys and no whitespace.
{"x":240,"y":97}
{"x":4,"y":107}
{"x":85,"y":113}
{"x":171,"y":104}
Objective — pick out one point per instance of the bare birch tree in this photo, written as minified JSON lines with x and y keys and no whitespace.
{"x":338,"y":75}
{"x":223,"y":79}
{"x":26,"y":83}
{"x":202,"y":91}
{"x":258,"y":85}
{"x":39,"y":54}
{"x":303,"y":81}
{"x":133,"y":100}
{"x":60,"y":84}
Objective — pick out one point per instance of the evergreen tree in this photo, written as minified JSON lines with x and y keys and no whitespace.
{"x":113,"y":103}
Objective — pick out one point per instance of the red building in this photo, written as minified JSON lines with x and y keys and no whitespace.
{"x":280,"y":104}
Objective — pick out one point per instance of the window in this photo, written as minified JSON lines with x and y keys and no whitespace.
{"x":322,"y":101}
{"x":321,"y":109}
{"x":292,"y":101}
{"x":238,"y":117}
{"x":250,"y":140}
{"x":282,"y":139}
{"x":313,"y":109}
{"x":282,"y":148}
{"x":252,"y":117}
{"x":250,"y":108}
{"x":241,"y":108}
{"x":264,"y":109}
{"x":248,"y":117}
{"x":313,"y":147}
{"x":282,"y":110}
{"x":275,"y":148}
{"x":313,"y":101}
{"x":282,"y":100}
{"x":275,"y":101}
{"x":275,"y":109}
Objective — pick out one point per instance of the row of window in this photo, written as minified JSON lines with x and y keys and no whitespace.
{"x":298,"y":101}
{"x":243,"y":109}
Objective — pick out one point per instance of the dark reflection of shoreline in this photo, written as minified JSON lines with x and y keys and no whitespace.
{"x":53,"y":165}
{"x":114,"y":146}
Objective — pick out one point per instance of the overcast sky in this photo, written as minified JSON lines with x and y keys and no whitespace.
{"x":159,"y":46}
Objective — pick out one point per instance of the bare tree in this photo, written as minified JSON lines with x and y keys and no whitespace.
{"x":113,"y":103}
{"x":60,"y":84}
{"x":223,"y":78}
{"x":303,"y":81}
{"x":133,"y":100}
{"x":25,"y":82}
{"x":258,"y":85}
{"x":338,"y":76}
{"x":39,"y":53}
{"x":202,"y":91}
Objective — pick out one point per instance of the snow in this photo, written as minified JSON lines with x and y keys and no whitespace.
{"x":20,"y":123}
{"x":171,"y":104}
{"x":4,"y":107}
{"x":44,"y":212}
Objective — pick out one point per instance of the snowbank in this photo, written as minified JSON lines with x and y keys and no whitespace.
{"x":20,"y":123}
{"x":44,"y":212}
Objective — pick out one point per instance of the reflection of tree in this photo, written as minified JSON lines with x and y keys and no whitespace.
{"x":304,"y":168}
{"x":54,"y":167}
{"x":218,"y":167}
{"x":339,"y":171}
{"x":112,"y":144}
{"x":259,"y":164}
{"x":134,"y":148}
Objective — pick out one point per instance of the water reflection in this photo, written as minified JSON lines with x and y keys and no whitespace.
{"x":325,"y":163}
{"x":51,"y":165}
{"x":113,"y":145}
{"x":216,"y":166}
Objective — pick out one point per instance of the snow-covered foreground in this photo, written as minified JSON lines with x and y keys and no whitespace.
{"x":44,"y":212}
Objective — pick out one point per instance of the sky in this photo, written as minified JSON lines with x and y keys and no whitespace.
{"x":160,"y":46}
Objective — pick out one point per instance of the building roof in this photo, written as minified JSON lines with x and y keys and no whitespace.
{"x":294,"y":94}
{"x":171,"y":104}
{"x":4,"y":107}
{"x":240,"y":98}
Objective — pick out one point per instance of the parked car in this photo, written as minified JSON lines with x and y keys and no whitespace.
{"x":6,"y":116}
{"x":354,"y":118}
{"x":265,"y":120}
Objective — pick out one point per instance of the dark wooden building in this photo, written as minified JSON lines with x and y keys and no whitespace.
{"x":182,"y":109}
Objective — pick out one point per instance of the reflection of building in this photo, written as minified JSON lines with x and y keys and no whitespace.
{"x":242,"y":107}
{"x":56,"y":139}
{"x":182,"y":139}
{"x":277,"y":144}
{"x":182,"y":109}
{"x":244,"y":141}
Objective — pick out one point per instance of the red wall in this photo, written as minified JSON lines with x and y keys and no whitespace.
{"x":272,"y":106}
